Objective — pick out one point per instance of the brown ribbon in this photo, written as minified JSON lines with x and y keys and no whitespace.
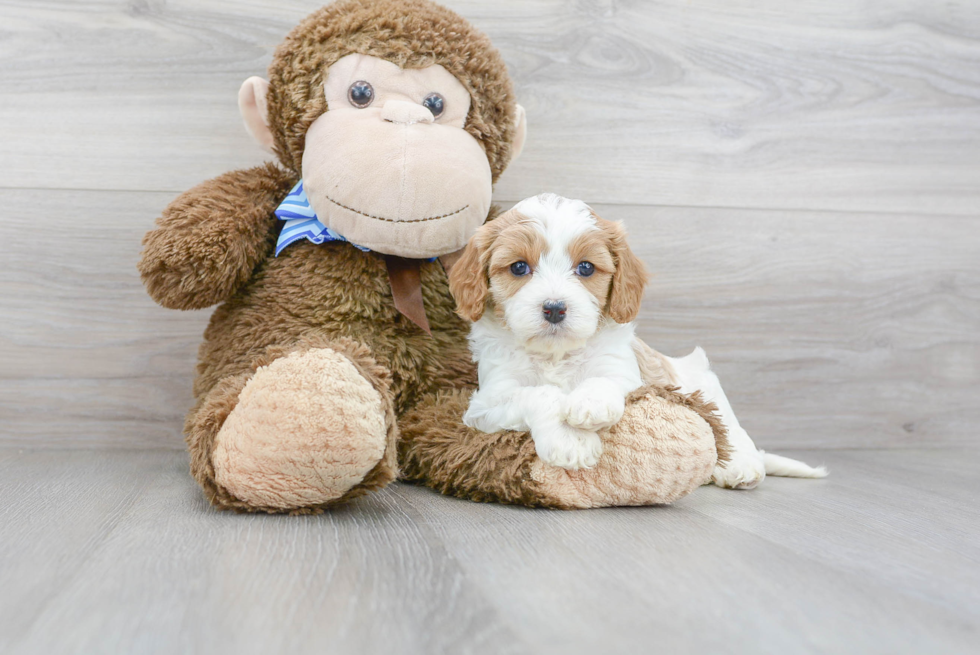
{"x":406,"y":289}
{"x":405,"y":278}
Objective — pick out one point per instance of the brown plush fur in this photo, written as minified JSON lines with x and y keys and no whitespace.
{"x":437,"y":450}
{"x":214,"y":244}
{"x":313,"y":296}
{"x":210,"y":239}
{"x":707,"y":411}
{"x":337,"y":291}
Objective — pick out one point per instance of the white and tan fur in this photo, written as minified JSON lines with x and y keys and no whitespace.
{"x":565,"y":379}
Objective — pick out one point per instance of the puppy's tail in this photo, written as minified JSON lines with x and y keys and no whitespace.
{"x":790,"y":468}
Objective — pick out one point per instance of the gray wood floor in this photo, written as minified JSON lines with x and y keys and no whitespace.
{"x":116,"y":551}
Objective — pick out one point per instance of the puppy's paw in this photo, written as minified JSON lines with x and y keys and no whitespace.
{"x":591,"y":410}
{"x":568,"y":447}
{"x":745,"y":470}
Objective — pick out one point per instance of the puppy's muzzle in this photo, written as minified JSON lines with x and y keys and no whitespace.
{"x":554,"y":311}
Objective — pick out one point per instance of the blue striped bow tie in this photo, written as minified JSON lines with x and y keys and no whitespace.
{"x":302,"y":223}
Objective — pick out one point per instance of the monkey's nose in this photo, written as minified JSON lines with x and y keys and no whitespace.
{"x":405,"y":113}
{"x":554,"y":311}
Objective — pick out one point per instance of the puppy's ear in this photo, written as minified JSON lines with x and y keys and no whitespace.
{"x":468,"y":278}
{"x":630,"y":278}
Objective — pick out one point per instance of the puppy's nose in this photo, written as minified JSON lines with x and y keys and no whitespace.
{"x":554,"y":311}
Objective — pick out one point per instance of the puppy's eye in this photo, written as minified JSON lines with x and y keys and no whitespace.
{"x":520,"y":268}
{"x":360,"y":94}
{"x":585,"y":269}
{"x":435,"y":103}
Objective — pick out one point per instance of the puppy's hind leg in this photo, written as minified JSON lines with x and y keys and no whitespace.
{"x":748,"y":465}
{"x":745,"y":468}
{"x":791,"y":468}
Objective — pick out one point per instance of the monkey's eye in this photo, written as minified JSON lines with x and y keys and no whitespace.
{"x":520,"y":269}
{"x":435,"y":103}
{"x":585,"y":269}
{"x":360,"y":94}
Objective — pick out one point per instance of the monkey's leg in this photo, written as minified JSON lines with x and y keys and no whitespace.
{"x":664,"y":447}
{"x":307,"y":429}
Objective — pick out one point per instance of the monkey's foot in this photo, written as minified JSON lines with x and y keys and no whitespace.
{"x":309,"y":429}
{"x":663,"y":448}
{"x":659,"y":451}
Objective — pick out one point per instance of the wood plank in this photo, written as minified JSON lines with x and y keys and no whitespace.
{"x":129,"y":412}
{"x":804,"y":105}
{"x":58,"y":508}
{"x":116,"y":551}
{"x":828,"y":330}
{"x":664,"y":576}
{"x":904,"y":517}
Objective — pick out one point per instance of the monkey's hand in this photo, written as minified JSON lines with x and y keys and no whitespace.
{"x":210,"y":239}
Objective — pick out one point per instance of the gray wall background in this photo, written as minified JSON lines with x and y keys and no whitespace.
{"x":803,"y":178}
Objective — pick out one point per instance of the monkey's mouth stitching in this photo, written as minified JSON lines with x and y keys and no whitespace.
{"x":390,"y":220}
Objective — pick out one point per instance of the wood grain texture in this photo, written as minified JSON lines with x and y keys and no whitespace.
{"x":795,"y":567}
{"x":120,"y":553}
{"x":85,"y":356}
{"x":825,"y":329}
{"x":828,"y":330}
{"x":871,"y":106}
{"x":116,"y":552}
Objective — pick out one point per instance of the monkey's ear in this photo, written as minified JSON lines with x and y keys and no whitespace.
{"x":520,"y":133}
{"x":251,"y":102}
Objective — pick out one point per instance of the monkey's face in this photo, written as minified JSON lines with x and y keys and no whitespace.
{"x":389,"y":166}
{"x":399,"y":144}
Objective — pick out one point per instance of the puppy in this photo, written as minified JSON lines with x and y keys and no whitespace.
{"x":552,"y":291}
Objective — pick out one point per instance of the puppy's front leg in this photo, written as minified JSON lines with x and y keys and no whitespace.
{"x":559,"y":444}
{"x":596,"y":403}
{"x":556,"y":442}
{"x":746,"y":469}
{"x":541,"y":410}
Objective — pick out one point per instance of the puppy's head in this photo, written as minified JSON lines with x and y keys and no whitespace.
{"x":550,"y":270}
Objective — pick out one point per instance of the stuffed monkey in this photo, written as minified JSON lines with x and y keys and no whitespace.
{"x":335,"y":347}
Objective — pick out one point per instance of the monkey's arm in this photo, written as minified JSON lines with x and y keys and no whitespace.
{"x":210,"y":239}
